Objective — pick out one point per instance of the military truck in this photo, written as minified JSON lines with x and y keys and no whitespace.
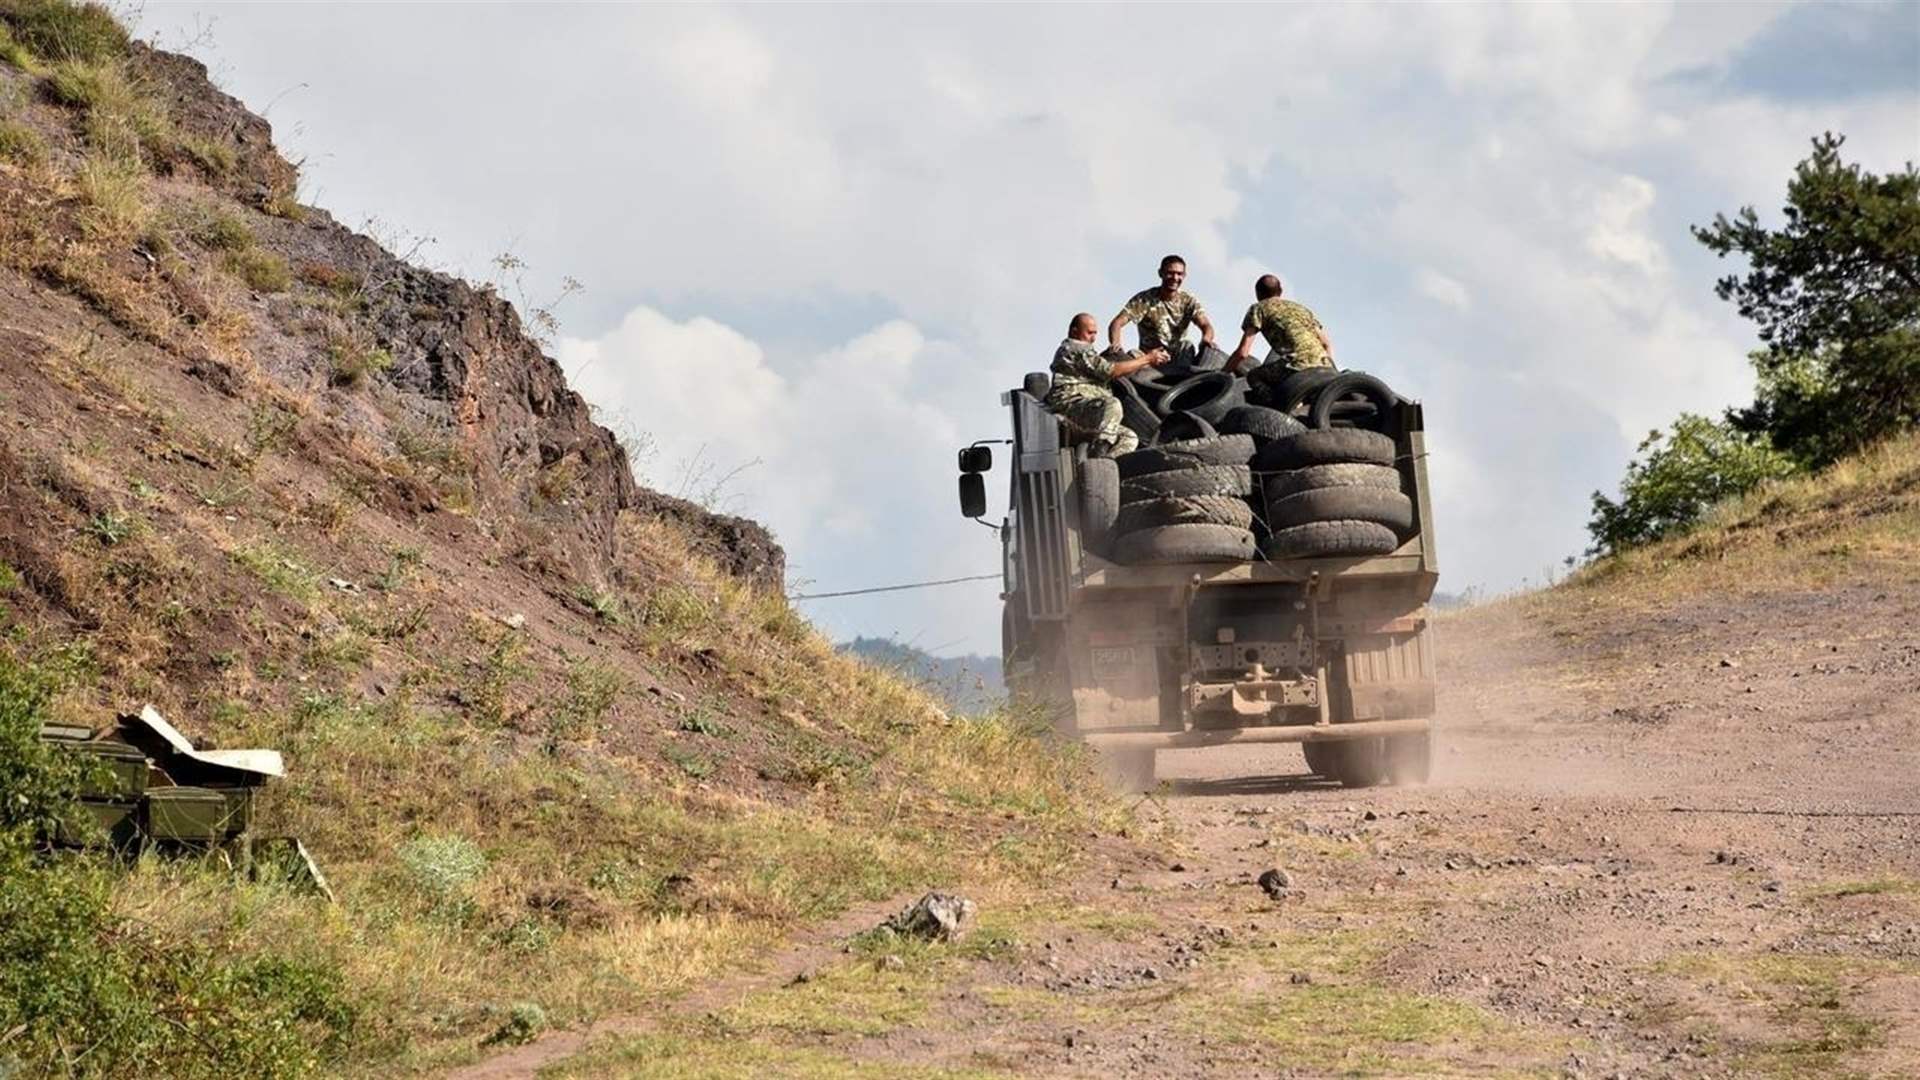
{"x":1334,"y":653}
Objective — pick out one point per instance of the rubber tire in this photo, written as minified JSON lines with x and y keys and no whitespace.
{"x":1378,"y":505}
{"x":1319,"y":758}
{"x":1036,"y":384}
{"x":1265,"y":425}
{"x":1298,"y":387}
{"x":1332,"y":447}
{"x":1131,"y":771}
{"x":1282,"y":484}
{"x":1359,"y":763}
{"x":1185,"y":426}
{"x":1197,"y":480}
{"x":1210,"y":394}
{"x":1210,"y":358}
{"x":1409,"y":758}
{"x":1330,"y":540}
{"x":1189,"y":510}
{"x":1151,"y":382}
{"x":1184,"y":544}
{"x":1099,"y":503}
{"x":1186,"y":454}
{"x":1351,"y":384}
{"x":1135,"y":414}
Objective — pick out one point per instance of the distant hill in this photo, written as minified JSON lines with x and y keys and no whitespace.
{"x":968,"y":683}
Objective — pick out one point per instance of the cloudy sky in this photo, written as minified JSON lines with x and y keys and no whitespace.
{"x":816,"y":242}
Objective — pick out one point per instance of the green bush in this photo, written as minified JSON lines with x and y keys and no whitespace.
{"x":62,"y":30}
{"x":1685,"y":472}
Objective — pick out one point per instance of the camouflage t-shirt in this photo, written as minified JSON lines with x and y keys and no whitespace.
{"x":1080,"y":370}
{"x":1162,"y":322}
{"x":1291,"y":329}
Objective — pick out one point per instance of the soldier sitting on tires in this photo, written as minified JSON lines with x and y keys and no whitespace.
{"x":1162,"y":315}
{"x":1294,"y":332}
{"x":1082,"y":393}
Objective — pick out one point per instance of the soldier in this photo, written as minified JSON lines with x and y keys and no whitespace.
{"x":1298,"y":339}
{"x":1164,"y":313}
{"x":1082,"y":396}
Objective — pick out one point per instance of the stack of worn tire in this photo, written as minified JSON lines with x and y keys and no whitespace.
{"x":1306,"y":472}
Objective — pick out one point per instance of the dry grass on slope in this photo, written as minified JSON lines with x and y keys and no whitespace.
{"x":1858,"y":520}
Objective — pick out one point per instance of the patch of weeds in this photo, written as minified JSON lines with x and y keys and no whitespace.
{"x":525,"y":1021}
{"x":498,"y":673}
{"x":444,"y":869}
{"x":695,"y":764}
{"x":604,"y":603}
{"x":700,"y":721}
{"x":708,"y":1056}
{"x":262,"y":270}
{"x":591,"y":690}
{"x":59,"y":30}
{"x":1872,"y":887}
{"x":279,"y":569}
{"x":1806,"y":996}
{"x":21,"y":144}
{"x":353,"y":364}
{"x":222,"y":495}
{"x":340,"y":284}
{"x":675,"y":611}
{"x":217,"y":229}
{"x":818,"y":764}
{"x":437,"y":456}
{"x":9,"y":578}
{"x":214,"y":157}
{"x":862,"y":997}
{"x":346,"y":651}
{"x":144,"y":491}
{"x":112,"y":527}
{"x":116,"y":196}
{"x":401,"y":563}
{"x":269,"y":427}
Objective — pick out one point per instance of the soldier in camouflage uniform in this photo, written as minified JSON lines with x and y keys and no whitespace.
{"x":1082,"y":394}
{"x":1164,"y":313}
{"x":1297,"y":338}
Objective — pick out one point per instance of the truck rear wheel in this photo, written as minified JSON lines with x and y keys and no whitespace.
{"x":1409,"y":758}
{"x":1359,"y":763}
{"x":1319,"y":757}
{"x":1129,"y":770}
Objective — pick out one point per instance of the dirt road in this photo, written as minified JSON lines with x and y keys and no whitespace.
{"x":1655,"y":845}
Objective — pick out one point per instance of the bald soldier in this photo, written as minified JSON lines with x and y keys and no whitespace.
{"x":1163,"y":313}
{"x":1297,"y":338}
{"x":1082,"y":394}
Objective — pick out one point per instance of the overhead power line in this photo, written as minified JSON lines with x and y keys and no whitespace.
{"x":896,"y":588}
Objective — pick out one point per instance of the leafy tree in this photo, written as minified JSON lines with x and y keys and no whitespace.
{"x":1695,"y":464}
{"x":1836,"y":295}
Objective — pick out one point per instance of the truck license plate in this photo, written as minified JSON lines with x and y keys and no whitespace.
{"x":1113,"y":662}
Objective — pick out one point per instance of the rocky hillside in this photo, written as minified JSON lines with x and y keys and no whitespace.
{"x":558,"y":740}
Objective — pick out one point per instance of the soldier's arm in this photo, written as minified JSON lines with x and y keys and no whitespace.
{"x":1325,"y":341}
{"x":1205,"y":324}
{"x":1244,"y":350}
{"x":1150,"y":358}
{"x":1114,"y":327}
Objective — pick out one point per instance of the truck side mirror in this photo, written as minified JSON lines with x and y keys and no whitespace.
{"x":976,"y":459}
{"x":973,"y":494}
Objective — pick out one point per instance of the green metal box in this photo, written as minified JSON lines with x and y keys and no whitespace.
{"x":127,"y":764}
{"x":196,"y":813}
{"x":118,"y":820}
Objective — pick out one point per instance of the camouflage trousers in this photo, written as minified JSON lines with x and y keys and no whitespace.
{"x":1094,"y":419}
{"x":1268,"y":376}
